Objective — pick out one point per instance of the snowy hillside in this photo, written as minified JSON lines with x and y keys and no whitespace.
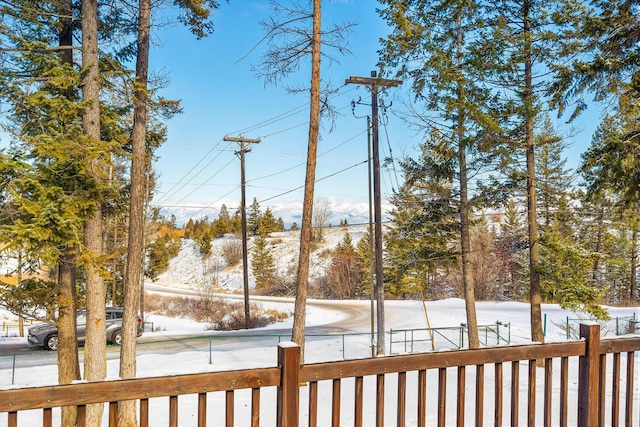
{"x":192,"y":270}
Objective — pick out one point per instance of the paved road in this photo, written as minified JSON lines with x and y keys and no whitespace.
{"x":355,"y":316}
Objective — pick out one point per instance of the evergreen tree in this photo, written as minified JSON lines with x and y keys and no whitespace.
{"x":204,"y":243}
{"x":511,"y":250}
{"x":253,"y":217}
{"x":527,"y":38}
{"x":267,"y":223}
{"x":424,"y":227}
{"x":262,"y":264}
{"x":565,"y":272}
{"x":611,"y":164}
{"x":554,"y":180}
{"x":442,"y":37}
{"x":607,"y":31}
{"x":236,"y":223}
{"x":223,"y":222}
{"x":346,"y":271}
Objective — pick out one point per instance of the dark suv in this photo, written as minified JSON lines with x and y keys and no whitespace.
{"x":46,"y":334}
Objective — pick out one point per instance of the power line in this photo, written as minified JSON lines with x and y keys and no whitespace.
{"x":289,"y":113}
{"x":316,"y":181}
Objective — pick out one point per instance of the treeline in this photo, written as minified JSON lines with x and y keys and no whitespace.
{"x":203,"y":231}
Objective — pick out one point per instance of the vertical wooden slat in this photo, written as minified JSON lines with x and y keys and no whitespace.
{"x":498,"y":396}
{"x":255,"y":407}
{"x":564,"y":391}
{"x":12,"y":419}
{"x":422,"y":398}
{"x":380,"y":400}
{"x":144,"y":412}
{"x":402,"y":399}
{"x":531,"y":394}
{"x":602,"y":382}
{"x":288,"y":410}
{"x":173,"y":411}
{"x":548,"y":389}
{"x":515,"y":393}
{"x":81,"y":411}
{"x":229,"y":408}
{"x":359,"y":397}
{"x":588,"y":376}
{"x":442,"y":397}
{"x":461,"y":395}
{"x":47,"y":417}
{"x":202,"y":409}
{"x":615,"y":391}
{"x":335,"y":404}
{"x":628,"y":417}
{"x":313,"y":404}
{"x":479,"y":395}
{"x":113,"y":414}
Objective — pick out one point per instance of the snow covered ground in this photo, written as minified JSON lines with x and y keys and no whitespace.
{"x":399,"y":314}
{"x":350,"y":323}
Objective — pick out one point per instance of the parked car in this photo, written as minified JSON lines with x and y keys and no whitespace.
{"x":46,"y":334}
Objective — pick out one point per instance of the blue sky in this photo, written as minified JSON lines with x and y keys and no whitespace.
{"x":221,"y":96}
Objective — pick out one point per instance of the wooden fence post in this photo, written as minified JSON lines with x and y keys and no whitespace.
{"x":287,"y":411}
{"x":588,"y":376}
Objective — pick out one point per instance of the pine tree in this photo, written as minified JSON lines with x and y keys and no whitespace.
{"x":267,"y":223}
{"x":424,"y":226}
{"x":346,"y":271}
{"x":611,"y":164}
{"x":253,"y":217}
{"x":527,"y":38}
{"x":554,"y":180}
{"x":223,"y":222}
{"x":449,"y":79}
{"x":565,"y":278}
{"x":511,"y":250}
{"x":262,"y":264}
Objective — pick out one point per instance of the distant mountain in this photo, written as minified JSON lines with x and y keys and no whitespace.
{"x":354,"y":213}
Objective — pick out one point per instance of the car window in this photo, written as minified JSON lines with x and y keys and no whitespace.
{"x":114,"y":315}
{"x":81,"y":319}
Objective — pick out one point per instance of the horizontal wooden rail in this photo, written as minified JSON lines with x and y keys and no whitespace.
{"x":448,"y":359}
{"x":137,"y":388}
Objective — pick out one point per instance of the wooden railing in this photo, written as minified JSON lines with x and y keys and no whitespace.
{"x":295,"y":394}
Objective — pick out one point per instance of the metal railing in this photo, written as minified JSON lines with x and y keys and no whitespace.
{"x":452,"y":337}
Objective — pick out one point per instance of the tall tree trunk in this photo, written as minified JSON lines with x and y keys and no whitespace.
{"x":68,"y":364}
{"x":300,"y":308}
{"x":633,"y":291}
{"x":133,"y":272}
{"x":95,"y":360}
{"x":532,"y":215}
{"x":465,"y":235}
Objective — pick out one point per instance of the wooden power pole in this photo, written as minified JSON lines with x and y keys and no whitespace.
{"x":243,"y":210}
{"x":374,"y":83}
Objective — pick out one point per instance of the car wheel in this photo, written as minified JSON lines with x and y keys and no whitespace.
{"x":117,"y":337}
{"x":51,"y":343}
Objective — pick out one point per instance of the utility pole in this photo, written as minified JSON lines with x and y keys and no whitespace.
{"x":374,"y":83}
{"x":243,"y":210}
